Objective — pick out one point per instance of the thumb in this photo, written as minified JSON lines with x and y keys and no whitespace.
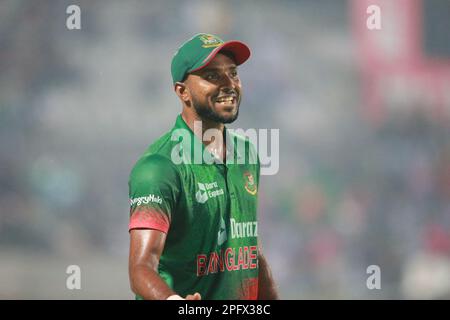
{"x":195,"y":296}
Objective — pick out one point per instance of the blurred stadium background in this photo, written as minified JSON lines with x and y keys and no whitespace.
{"x":364,"y":125}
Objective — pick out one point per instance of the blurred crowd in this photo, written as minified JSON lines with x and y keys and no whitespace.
{"x":78,"y":107}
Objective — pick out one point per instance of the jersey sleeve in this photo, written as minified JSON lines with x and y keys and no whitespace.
{"x":154,"y":187}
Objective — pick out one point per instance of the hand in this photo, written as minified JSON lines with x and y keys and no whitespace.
{"x":195,"y":296}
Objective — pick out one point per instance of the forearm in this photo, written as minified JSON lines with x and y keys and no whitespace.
{"x":267,"y":289}
{"x":147,"y":283}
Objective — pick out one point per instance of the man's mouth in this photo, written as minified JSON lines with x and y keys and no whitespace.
{"x":226,"y":100}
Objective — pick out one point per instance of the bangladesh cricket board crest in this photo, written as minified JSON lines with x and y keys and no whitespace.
{"x":250,"y":184}
{"x":210,"y":41}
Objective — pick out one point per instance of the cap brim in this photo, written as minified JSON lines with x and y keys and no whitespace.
{"x":240,"y":51}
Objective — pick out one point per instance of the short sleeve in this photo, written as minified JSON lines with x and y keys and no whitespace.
{"x":154,"y":188}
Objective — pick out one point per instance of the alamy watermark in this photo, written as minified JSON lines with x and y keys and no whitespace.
{"x":374,"y":280}
{"x":373,"y":22}
{"x":242,"y":147}
{"x":73,"y":281}
{"x":73,"y":21}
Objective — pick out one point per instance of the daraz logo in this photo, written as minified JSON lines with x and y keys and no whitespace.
{"x":207,"y":190}
{"x":201,"y":194}
{"x":222,"y":233}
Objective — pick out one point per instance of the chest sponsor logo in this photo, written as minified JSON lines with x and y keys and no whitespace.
{"x":250,"y":184}
{"x":243,"y":229}
{"x":146,"y":200}
{"x":222,"y":233}
{"x":207,"y":191}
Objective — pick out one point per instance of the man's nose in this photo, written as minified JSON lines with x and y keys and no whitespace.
{"x":228,"y":82}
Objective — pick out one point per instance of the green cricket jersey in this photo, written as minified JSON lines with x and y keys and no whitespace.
{"x":208,"y":211}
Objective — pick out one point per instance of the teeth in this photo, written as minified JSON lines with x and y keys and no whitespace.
{"x":227,"y":99}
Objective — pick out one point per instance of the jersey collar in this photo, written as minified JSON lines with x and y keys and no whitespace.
{"x":196,"y":144}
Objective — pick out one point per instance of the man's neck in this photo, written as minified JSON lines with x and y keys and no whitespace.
{"x":216,"y":146}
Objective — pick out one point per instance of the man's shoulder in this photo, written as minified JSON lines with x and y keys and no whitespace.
{"x":157,"y":158}
{"x":162,"y":146}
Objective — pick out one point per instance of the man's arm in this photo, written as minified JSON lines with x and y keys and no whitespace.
{"x":146,"y":246}
{"x":266,"y":285}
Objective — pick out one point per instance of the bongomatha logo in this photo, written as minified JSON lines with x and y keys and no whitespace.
{"x":146,"y":200}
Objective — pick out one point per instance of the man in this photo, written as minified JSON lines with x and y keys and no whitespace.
{"x":193,"y":225}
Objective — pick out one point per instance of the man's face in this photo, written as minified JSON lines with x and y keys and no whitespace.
{"x":216,"y":90}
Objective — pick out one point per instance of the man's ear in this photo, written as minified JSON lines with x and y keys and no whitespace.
{"x":182,"y":91}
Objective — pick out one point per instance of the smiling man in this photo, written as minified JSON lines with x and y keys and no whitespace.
{"x":193,"y":226}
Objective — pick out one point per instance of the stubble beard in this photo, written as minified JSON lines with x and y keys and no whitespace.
{"x":205,"y":112}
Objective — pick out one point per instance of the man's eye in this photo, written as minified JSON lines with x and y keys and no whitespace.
{"x":211,"y":76}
